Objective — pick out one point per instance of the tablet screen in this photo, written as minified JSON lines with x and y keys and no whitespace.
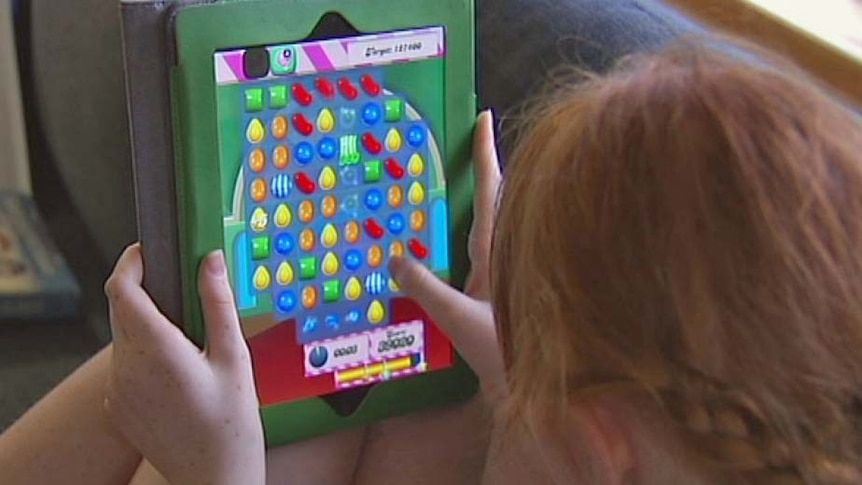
{"x":330,"y":155}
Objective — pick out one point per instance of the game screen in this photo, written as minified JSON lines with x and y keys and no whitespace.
{"x":331,"y":161}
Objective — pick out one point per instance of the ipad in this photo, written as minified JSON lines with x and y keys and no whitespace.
{"x":314,"y":141}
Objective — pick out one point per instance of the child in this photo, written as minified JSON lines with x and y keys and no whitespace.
{"x":672,"y":274}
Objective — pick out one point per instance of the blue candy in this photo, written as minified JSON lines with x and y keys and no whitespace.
{"x":375,"y":284}
{"x":373,"y":199}
{"x":304,"y":152}
{"x":353,"y":259}
{"x":396,"y":223}
{"x":371,"y":113}
{"x":327,"y":148}
{"x":286,"y":301}
{"x":416,"y":136}
{"x":284,"y":243}
{"x":281,"y":186}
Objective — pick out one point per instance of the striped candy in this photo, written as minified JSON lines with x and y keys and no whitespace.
{"x":281,"y":186}
{"x":375,"y":284}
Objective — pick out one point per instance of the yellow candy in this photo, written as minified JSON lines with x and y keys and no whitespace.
{"x":353,"y":290}
{"x":416,"y":165}
{"x":396,"y":249}
{"x":326,"y":121}
{"x":393,"y":286}
{"x":329,"y":236}
{"x":417,"y":220}
{"x":258,"y":220}
{"x":255,"y":132}
{"x":375,"y":256}
{"x":279,"y":127}
{"x":396,"y":196}
{"x":330,"y":264}
{"x":416,"y":194}
{"x":258,"y":190}
{"x":351,"y":232}
{"x":306,"y":211}
{"x":327,"y":178}
{"x":306,"y":240}
{"x":284,"y":275}
{"x":281,"y":157}
{"x":257,"y":160}
{"x":262,"y":278}
{"x":309,"y":297}
{"x":329,"y":206}
{"x":394,"y":140}
{"x":283,"y":216}
{"x":376,"y":312}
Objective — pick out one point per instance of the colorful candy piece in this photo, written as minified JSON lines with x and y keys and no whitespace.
{"x":394,"y":109}
{"x":394,"y":140}
{"x":395,"y":196}
{"x":325,"y":87}
{"x":308,"y":268}
{"x":417,"y":220}
{"x":259,"y":220}
{"x":257,"y":191}
{"x":330,"y":264}
{"x":284,"y":274}
{"x":283,"y":216}
{"x":284,"y":243}
{"x":353,"y":289}
{"x":257,"y":160}
{"x":375,"y":284}
{"x":416,"y":136}
{"x":255,"y":132}
{"x":326,"y":120}
{"x":327,"y":148}
{"x":350,"y":150}
{"x":394,"y":169}
{"x":329,"y":236}
{"x":254,"y":99}
{"x":371,"y":114}
{"x":353,"y":259}
{"x":305,"y":183}
{"x":417,"y":248}
{"x":281,"y":157}
{"x":279,"y":127}
{"x":416,"y":194}
{"x":301,"y":94}
{"x":351,"y":232}
{"x":371,"y":143}
{"x":416,"y":165}
{"x":311,"y":323}
{"x":376,"y":312}
{"x":286,"y":301}
{"x":373,"y":228}
{"x":304,"y":152}
{"x":306,"y":211}
{"x":309,"y":297}
{"x":302,"y":125}
{"x":261,"y":278}
{"x":396,"y":249}
{"x":327,"y":178}
{"x":280,"y":186}
{"x":260,"y":248}
{"x":373,"y":199}
{"x":396,"y":223}
{"x":393,"y":286}
{"x":347,"y":89}
{"x":331,"y":291}
{"x":371,"y":86}
{"x":277,"y":97}
{"x":306,"y":240}
{"x":329,"y":206}
{"x":375,"y":256}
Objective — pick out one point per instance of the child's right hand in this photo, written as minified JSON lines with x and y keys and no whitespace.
{"x":467,"y":317}
{"x":193,"y":414}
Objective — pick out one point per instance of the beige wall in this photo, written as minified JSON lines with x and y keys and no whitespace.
{"x":13,"y":149}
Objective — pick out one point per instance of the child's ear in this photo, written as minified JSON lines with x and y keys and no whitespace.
{"x":602,"y":425}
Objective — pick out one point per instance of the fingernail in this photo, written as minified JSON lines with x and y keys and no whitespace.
{"x":215,"y":264}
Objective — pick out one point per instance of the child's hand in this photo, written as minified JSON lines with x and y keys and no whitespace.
{"x":467,"y":317}
{"x":192,"y":414}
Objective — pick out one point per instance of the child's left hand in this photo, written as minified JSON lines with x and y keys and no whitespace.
{"x":192,"y":414}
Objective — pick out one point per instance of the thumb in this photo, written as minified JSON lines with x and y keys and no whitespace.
{"x":224,"y":336}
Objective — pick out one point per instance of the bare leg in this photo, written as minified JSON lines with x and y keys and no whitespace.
{"x":327,"y":460}
{"x":65,"y":438}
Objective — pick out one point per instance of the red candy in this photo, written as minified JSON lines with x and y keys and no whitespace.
{"x":302,"y":125}
{"x":301,"y":95}
{"x":373,"y":228}
{"x":394,"y":169}
{"x":369,"y":85}
{"x":348,"y":90}
{"x":325,"y":87}
{"x":305,"y":183}
{"x":371,"y":143}
{"x":417,"y":248}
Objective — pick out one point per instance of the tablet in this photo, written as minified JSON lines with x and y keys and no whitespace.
{"x":314,"y":140}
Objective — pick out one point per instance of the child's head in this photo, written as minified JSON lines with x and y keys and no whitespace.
{"x":686,"y":234}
